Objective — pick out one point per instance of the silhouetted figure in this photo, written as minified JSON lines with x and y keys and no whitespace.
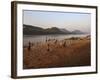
{"x":29,"y":46}
{"x":55,"y":42}
{"x":48,"y":47}
{"x":64,"y":44}
{"x":32,"y":44}
{"x":46,"y":39}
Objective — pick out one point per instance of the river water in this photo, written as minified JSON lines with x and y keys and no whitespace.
{"x":43,"y":38}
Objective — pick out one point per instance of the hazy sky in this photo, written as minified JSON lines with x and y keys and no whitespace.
{"x":69,"y":21}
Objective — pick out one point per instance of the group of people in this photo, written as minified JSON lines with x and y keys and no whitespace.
{"x":57,"y":43}
{"x":49,"y":42}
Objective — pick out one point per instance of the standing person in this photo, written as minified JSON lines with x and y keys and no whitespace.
{"x":29,"y":46}
{"x":48,"y":47}
{"x":46,"y":39}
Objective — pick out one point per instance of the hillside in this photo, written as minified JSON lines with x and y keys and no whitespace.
{"x":35,"y":30}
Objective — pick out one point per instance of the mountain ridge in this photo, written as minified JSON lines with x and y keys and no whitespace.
{"x":35,"y":30}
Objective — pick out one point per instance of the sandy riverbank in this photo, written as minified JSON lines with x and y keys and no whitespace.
{"x":65,"y":53}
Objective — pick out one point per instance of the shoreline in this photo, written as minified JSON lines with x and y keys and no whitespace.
{"x":66,"y":53}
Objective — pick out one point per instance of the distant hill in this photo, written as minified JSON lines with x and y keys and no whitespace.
{"x":35,"y":30}
{"x":32,"y":30}
{"x":53,"y":30}
{"x":77,"y":32}
{"x":64,"y":30}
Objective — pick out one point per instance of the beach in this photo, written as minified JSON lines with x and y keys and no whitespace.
{"x":53,"y":53}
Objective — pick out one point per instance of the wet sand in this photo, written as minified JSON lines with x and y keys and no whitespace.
{"x":53,"y":53}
